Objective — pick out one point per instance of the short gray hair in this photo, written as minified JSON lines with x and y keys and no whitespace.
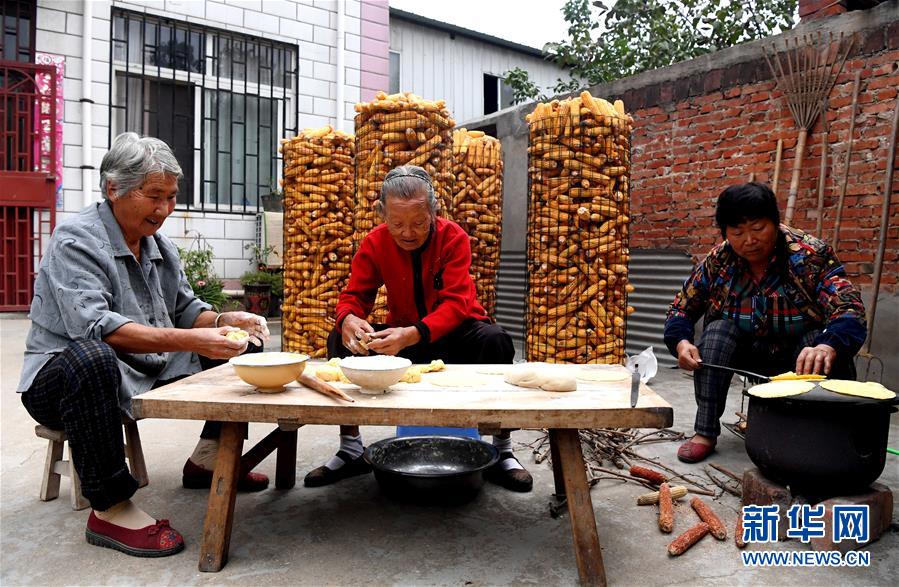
{"x":404,"y":182}
{"x":131,"y":158}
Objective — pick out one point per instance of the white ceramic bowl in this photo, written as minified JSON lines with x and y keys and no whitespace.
{"x":269,"y":372}
{"x":374,"y":374}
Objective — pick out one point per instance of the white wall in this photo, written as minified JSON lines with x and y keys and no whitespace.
{"x":434,"y":66}
{"x":310,"y":25}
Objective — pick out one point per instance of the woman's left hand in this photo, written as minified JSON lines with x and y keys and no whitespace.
{"x":815,"y":360}
{"x":253,"y":324}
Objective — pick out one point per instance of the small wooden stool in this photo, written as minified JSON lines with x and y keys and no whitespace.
{"x":55,"y":466}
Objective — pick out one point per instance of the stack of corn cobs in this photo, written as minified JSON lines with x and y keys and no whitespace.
{"x":318,"y":234}
{"x":477,"y":206}
{"x":394,"y":130}
{"x":578,"y":170}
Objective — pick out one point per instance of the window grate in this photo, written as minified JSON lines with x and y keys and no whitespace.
{"x":17,"y":30}
{"x":222,"y":100}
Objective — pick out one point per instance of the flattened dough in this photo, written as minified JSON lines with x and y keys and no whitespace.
{"x":602,"y":375}
{"x":456,"y":379}
{"x":542,"y":376}
{"x":781,"y":388}
{"x":869,"y":389}
{"x":791,"y":376}
{"x":492,"y":370}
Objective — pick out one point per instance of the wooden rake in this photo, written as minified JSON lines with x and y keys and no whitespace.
{"x":805,"y":72}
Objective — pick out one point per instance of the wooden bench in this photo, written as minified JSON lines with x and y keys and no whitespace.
{"x":55,"y":466}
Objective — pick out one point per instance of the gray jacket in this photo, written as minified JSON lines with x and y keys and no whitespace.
{"x":90,"y":284}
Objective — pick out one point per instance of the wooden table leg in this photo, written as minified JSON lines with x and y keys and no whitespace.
{"x":286,"y":463}
{"x":580,"y":507}
{"x":557,"y":467}
{"x":222,"y":494}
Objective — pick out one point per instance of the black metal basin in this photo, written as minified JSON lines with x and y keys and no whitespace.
{"x":431,"y":469}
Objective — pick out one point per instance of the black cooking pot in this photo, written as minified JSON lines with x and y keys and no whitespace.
{"x":431,"y":469}
{"x":819,"y":443}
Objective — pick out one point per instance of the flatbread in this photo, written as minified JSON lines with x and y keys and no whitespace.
{"x":781,"y":389}
{"x":456,"y":379}
{"x":492,"y":370}
{"x":604,"y":375}
{"x":791,"y":376}
{"x":869,"y":389}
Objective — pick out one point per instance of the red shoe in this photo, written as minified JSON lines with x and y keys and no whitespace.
{"x":156,"y":540}
{"x":693,"y":452}
{"x":196,"y":477}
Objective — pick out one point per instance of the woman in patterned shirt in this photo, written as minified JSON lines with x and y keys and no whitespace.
{"x":773,"y":299}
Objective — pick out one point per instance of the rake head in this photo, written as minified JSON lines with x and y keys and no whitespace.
{"x":805,"y":71}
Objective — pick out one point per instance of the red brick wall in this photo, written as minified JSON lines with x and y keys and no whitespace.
{"x":810,"y":9}
{"x":695,"y":137}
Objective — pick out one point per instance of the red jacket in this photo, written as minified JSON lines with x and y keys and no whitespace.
{"x":447,"y":289}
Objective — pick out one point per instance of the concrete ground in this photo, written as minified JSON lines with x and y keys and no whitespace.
{"x":349,"y":534}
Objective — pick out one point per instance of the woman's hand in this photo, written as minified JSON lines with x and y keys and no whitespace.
{"x":252,"y":324}
{"x":815,"y":360}
{"x":688,"y":356}
{"x":212,"y":342}
{"x":355,"y":329}
{"x":392,"y":340}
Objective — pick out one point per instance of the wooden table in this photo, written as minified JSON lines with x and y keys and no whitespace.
{"x":218,"y":394}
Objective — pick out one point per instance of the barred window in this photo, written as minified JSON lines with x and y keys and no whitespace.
{"x":222,"y":100}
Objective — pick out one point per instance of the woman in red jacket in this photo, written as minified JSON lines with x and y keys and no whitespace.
{"x":433,"y":312}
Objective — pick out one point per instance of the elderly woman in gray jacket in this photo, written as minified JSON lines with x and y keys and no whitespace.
{"x":112,"y":317}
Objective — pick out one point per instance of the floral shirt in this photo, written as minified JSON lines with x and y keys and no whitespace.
{"x":804,"y":288}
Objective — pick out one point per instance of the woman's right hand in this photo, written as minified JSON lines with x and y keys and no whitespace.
{"x":353,"y":330}
{"x":212,"y":342}
{"x":688,"y":356}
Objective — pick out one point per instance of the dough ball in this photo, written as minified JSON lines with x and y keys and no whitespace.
{"x":525,"y":376}
{"x":559,"y":382}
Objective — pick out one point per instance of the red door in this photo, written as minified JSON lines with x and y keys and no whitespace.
{"x":27,"y":175}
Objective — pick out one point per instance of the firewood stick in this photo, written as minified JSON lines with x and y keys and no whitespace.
{"x":722,"y":484}
{"x":642,"y":482}
{"x":727,"y":472}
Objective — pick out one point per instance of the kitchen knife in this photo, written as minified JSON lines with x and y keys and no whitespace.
{"x":635,"y":386}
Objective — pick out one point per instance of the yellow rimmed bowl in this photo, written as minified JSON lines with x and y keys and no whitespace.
{"x":269,"y":372}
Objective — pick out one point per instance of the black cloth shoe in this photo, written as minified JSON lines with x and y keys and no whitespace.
{"x":325,"y":476}
{"x":512,"y":479}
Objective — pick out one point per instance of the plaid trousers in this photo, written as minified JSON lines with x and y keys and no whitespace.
{"x":77,"y":391}
{"x":723,"y":343}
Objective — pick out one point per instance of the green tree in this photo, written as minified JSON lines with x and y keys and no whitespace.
{"x":612,"y":39}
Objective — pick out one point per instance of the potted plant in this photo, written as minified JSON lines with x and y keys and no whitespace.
{"x":196,"y":260}
{"x":258,"y":282}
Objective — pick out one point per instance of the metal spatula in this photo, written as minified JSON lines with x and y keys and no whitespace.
{"x":743,"y":372}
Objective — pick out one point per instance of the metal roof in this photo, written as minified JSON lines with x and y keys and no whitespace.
{"x":457,"y":30}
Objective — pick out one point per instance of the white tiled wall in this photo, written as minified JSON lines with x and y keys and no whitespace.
{"x":310,"y":25}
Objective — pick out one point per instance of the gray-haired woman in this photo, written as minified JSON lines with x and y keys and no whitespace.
{"x":424,"y":263}
{"x":112,"y":317}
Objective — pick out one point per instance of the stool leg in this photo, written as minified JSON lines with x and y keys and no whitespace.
{"x":134,"y":452}
{"x":50,"y":481}
{"x":78,"y":500}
